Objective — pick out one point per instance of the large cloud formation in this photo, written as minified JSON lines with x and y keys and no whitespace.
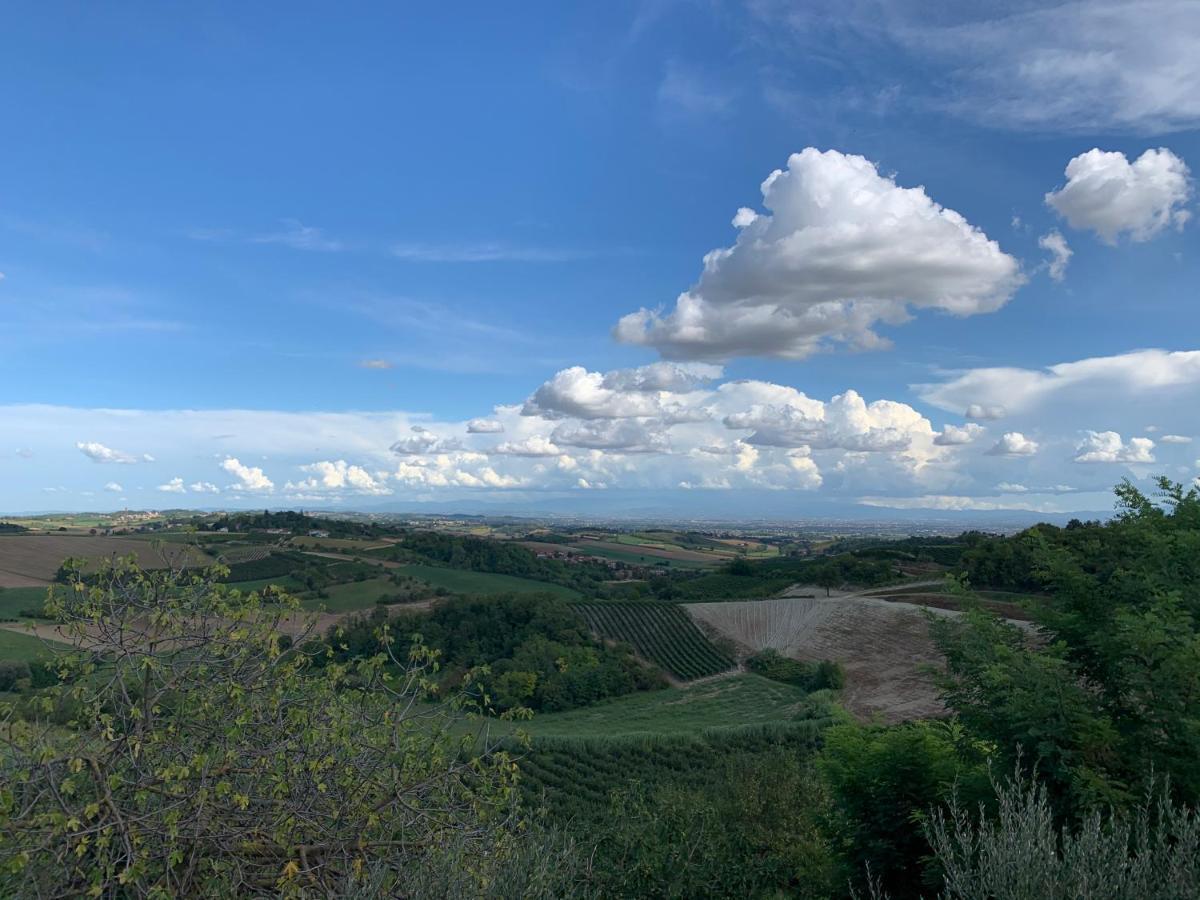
{"x":842,"y":249}
{"x":1111,"y":196}
{"x":1082,"y":384}
{"x":669,"y":426}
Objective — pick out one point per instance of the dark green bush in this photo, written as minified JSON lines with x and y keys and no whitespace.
{"x":11,"y":672}
{"x":810,"y":676}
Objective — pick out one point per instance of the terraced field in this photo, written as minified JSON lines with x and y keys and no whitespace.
{"x":660,"y":632}
{"x":882,"y":646}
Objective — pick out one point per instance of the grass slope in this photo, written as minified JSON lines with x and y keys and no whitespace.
{"x":744,"y":699}
{"x":461,"y":581}
{"x":21,"y":647}
{"x":13,"y":601}
{"x":351,"y":596}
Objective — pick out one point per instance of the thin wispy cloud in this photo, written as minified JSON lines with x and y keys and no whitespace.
{"x":298,"y":236}
{"x":484,"y":253}
{"x":684,"y":89}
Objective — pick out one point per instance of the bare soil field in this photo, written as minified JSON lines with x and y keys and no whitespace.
{"x":29,"y":560}
{"x":16,"y":580}
{"x":1009,"y":611}
{"x":881,"y":645}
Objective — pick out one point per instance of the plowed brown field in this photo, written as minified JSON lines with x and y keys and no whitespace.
{"x":28,"y":560}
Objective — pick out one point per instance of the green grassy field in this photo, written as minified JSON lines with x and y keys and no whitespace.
{"x":340,"y":544}
{"x":461,"y":581}
{"x":351,"y":596}
{"x":21,"y":647}
{"x":745,"y":699}
{"x":14,"y":600}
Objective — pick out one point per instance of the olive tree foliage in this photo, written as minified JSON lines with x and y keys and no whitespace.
{"x":1152,"y":851}
{"x":191,"y":750}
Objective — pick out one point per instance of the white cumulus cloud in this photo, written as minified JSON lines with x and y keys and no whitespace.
{"x":654,"y":390}
{"x":1060,"y":254}
{"x":99,"y":453}
{"x":1175,"y":439}
{"x":846,"y":422}
{"x":1013,"y":443}
{"x":338,"y":475}
{"x":114,"y":487}
{"x":984,"y":411}
{"x":204,"y":487}
{"x":842,"y":249}
{"x":249,"y":478}
{"x":484,"y":426}
{"x":957,"y":435}
{"x":1108,"y":447}
{"x":536,"y":445}
{"x":625,"y":435}
{"x":422,"y":441}
{"x":1111,"y":196}
{"x":174,"y":486}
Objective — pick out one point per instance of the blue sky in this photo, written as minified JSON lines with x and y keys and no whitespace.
{"x":287,"y":235}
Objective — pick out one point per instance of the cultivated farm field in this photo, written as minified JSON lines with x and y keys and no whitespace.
{"x":29,"y":560}
{"x":661,"y":633}
{"x":653,"y":551}
{"x":882,"y":646}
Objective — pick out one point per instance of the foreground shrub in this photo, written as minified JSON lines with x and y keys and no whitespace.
{"x":1154,"y":851}
{"x":201,"y":758}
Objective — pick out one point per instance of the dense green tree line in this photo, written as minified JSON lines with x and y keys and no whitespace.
{"x":515,"y":650}
{"x":503,"y":558}
{"x":1110,"y":692}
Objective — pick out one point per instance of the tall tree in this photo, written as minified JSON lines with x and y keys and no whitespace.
{"x":1107,"y":691}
